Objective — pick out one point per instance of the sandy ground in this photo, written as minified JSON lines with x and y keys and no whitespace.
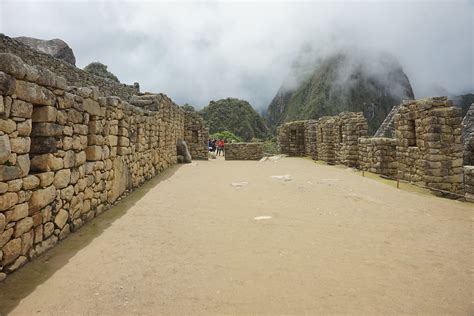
{"x":188,"y":243}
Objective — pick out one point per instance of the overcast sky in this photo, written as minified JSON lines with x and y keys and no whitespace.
{"x":201,"y":51}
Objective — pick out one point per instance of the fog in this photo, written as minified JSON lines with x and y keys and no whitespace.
{"x":201,"y":51}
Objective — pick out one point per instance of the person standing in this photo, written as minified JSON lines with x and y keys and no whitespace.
{"x":222,"y":147}
{"x":218,"y":146}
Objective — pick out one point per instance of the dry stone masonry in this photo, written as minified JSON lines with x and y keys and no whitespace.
{"x":243,"y":151}
{"x":378,"y":155}
{"x":68,"y":153}
{"x":427,"y":149}
{"x":73,"y":75}
{"x":429,"y":144}
{"x":196,"y":135}
{"x":291,"y":138}
{"x":349,"y":127}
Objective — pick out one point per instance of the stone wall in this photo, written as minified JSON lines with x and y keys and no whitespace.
{"x":311,"y":148}
{"x":468,"y":135}
{"x":378,"y":155}
{"x":429,"y":144}
{"x":349,"y":127}
{"x":74,"y":76}
{"x":291,"y":138}
{"x":243,"y":151}
{"x":326,"y":130}
{"x":469,"y":183}
{"x":67,"y":154}
{"x":196,"y":135}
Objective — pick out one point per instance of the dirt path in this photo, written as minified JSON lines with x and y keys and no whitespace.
{"x":188,"y":243}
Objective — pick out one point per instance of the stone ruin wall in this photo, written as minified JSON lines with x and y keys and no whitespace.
{"x":428,"y":149}
{"x":311,"y":149}
{"x":378,"y":155}
{"x":326,"y":139}
{"x":67,"y":154}
{"x":291,"y":139}
{"x":196,"y":135}
{"x":74,"y":76}
{"x":349,"y":127}
{"x":429,"y":144}
{"x":243,"y":151}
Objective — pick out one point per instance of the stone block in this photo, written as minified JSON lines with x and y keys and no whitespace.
{"x":94,"y":153}
{"x":44,"y":114}
{"x":17,"y":212}
{"x":20,"y":145}
{"x":61,"y":219}
{"x":33,"y":93}
{"x":21,"y":109}
{"x":41,"y":198}
{"x":62,"y":178}
{"x":24,"y":128}
{"x":46,"y":162}
{"x":5,"y":149}
{"x":7,"y":84}
{"x":46,"y":129}
{"x":8,"y":173}
{"x":11,"y":251}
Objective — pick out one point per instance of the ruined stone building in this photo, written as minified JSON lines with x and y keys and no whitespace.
{"x":67,"y":153}
{"x":427,"y":146}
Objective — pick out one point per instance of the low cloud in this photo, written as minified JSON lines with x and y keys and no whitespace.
{"x":197,"y":52}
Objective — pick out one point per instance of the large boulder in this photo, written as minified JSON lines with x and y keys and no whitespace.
{"x":55,"y":47}
{"x":183,"y":151}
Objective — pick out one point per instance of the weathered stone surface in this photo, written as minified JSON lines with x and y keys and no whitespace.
{"x":5,"y":236}
{"x":182,"y":149}
{"x":17,"y":264}
{"x":9,"y":172}
{"x":15,"y":185}
{"x":3,"y":222}
{"x":46,"y":178}
{"x":45,"y":145}
{"x":46,"y":162}
{"x":7,"y":84}
{"x":94,"y":153}
{"x":5,"y":149}
{"x":7,"y":126}
{"x":11,"y":251}
{"x":55,"y":47}
{"x":41,"y":198}
{"x":20,"y":145}
{"x":21,"y":109}
{"x":46,"y":129}
{"x":243,"y":151}
{"x":92,"y":107}
{"x":24,"y":128}
{"x":17,"y":212}
{"x":7,"y":200}
{"x":62,"y":178}
{"x":27,"y":240}
{"x":61,"y":219}
{"x":33,"y":93}
{"x":65,"y":232}
{"x":30,"y":182}
{"x":23,"y":163}
{"x":12,"y":65}
{"x":48,"y":229}
{"x":46,"y":245}
{"x":44,"y":114}
{"x":22,"y":226}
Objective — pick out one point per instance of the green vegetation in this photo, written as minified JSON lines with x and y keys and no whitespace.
{"x":227,"y":136}
{"x":100,"y":70}
{"x":236,"y":116}
{"x":339,"y":84}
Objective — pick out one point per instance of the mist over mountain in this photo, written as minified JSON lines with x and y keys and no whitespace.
{"x":348,"y":80}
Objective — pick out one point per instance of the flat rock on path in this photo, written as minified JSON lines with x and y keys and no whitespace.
{"x":190,"y":243}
